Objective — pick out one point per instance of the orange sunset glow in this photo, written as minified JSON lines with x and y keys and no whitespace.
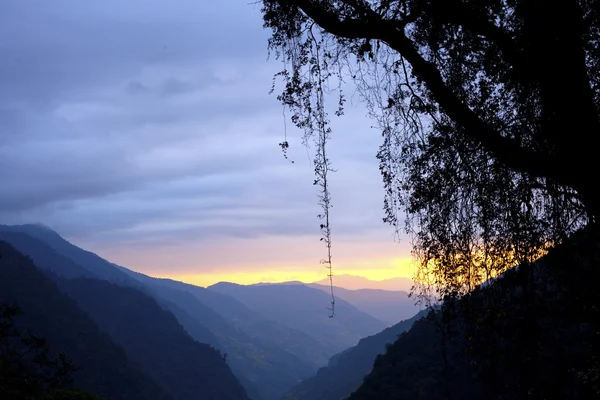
{"x":396,"y":268}
{"x":271,"y":259}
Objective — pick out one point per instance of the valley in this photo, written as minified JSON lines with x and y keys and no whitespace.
{"x":269,"y":339}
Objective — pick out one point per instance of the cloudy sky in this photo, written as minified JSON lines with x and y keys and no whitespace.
{"x":143,"y":130}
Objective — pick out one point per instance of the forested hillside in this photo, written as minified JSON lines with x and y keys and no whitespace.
{"x":346,"y":370}
{"x":105,"y":368}
{"x":152,"y":337}
{"x":261,"y":352}
{"x":530,"y":334}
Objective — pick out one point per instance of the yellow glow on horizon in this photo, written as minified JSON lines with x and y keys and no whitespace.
{"x":399,"y":267}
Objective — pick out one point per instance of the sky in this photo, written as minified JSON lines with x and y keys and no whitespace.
{"x":143,"y":130}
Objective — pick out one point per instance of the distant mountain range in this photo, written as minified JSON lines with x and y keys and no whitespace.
{"x":271,"y":336}
{"x":305,"y":309}
{"x":389,"y":306}
{"x":353,"y":282}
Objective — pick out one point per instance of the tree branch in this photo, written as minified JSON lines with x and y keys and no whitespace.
{"x":372,"y":26}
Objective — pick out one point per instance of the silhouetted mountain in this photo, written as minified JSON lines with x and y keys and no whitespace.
{"x":531,"y":334}
{"x":266,"y":370}
{"x":152,"y":337}
{"x":106,"y":369}
{"x":352,"y":282}
{"x":304,"y":308}
{"x":44,"y":256}
{"x":389,"y":306}
{"x":268,"y":356}
{"x":346,"y":370}
{"x":87,"y":260}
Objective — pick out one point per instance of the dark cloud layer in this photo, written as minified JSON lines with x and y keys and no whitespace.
{"x":150,"y":121}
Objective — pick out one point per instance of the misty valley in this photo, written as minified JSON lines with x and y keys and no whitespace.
{"x":138,"y":337}
{"x":130,"y":336}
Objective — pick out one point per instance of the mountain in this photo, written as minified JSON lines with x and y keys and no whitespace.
{"x":91,"y":264}
{"x":346,"y":370}
{"x":153,"y":337}
{"x":389,"y":306}
{"x":105,"y":368}
{"x":530,"y":334}
{"x":265,"y":369}
{"x":44,"y":256}
{"x":256,"y":325}
{"x":353,"y":282}
{"x":304,"y":308}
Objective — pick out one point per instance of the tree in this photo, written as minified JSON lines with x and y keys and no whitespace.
{"x":488,"y":109}
{"x":27,"y":371}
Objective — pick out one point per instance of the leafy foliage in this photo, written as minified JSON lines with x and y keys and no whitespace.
{"x":488,"y":113}
{"x":532,"y":333}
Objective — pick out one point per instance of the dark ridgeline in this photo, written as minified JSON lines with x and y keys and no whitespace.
{"x":106,"y":369}
{"x":533,"y":333}
{"x":159,"y":347}
{"x":266,"y":370}
{"x":152,"y":337}
{"x":254,"y":344}
{"x":88,"y":263}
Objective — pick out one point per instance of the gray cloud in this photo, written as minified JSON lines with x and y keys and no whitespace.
{"x":149,"y":122}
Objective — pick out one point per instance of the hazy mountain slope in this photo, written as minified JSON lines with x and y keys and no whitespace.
{"x":44,"y":256}
{"x":88,"y":260}
{"x":106,"y":369}
{"x":267,"y":371}
{"x":305,"y":308}
{"x":346,"y":370}
{"x":153,"y":337}
{"x":389,"y":306}
{"x":257,"y":326}
{"x":352,"y":282}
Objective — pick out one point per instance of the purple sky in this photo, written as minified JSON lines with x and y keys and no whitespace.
{"x":143,"y":130}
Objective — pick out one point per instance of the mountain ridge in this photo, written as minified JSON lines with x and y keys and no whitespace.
{"x":266,"y":370}
{"x":66,"y":327}
{"x":346,"y":370}
{"x":304,"y":308}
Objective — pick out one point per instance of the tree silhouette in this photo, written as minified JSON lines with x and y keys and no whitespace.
{"x":489,"y":112}
{"x":27,"y":371}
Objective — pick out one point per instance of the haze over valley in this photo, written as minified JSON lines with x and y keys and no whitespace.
{"x":273,"y":336}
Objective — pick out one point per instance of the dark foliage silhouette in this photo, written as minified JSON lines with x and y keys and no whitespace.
{"x":488,"y":110}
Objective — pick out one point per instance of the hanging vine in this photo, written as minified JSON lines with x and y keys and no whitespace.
{"x":304,"y":94}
